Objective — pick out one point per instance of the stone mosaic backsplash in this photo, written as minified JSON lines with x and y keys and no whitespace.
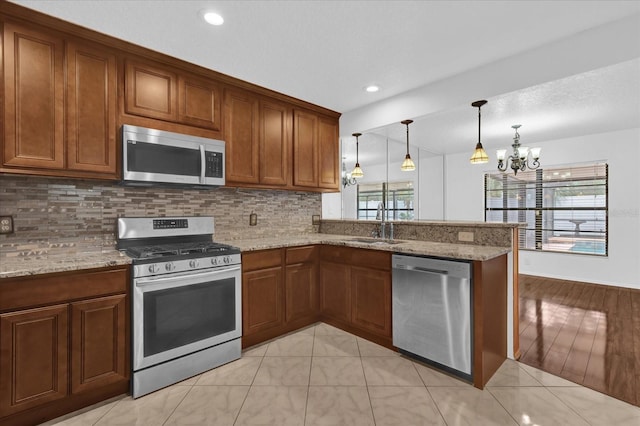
{"x":484,"y":234}
{"x":65,"y":217}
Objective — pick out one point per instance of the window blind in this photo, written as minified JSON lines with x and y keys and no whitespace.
{"x":565,"y":208}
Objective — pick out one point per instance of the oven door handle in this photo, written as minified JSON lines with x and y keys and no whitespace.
{"x":182,"y":279}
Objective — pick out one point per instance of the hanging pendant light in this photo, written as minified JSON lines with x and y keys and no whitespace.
{"x":357,"y":171}
{"x":407,"y":164}
{"x":479,"y":155}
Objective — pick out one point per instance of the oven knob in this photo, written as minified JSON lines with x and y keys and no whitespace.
{"x":193,"y":263}
{"x":214,"y":261}
{"x":169,"y":266}
{"x":154,"y":268}
{"x":227,"y":259}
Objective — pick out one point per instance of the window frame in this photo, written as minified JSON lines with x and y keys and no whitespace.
{"x":542,"y":185}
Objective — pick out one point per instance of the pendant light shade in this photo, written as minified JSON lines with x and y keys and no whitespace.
{"x":407,"y":164}
{"x":479,"y":155}
{"x":357,"y":171}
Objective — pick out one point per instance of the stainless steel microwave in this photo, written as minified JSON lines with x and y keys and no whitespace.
{"x":153,"y":157}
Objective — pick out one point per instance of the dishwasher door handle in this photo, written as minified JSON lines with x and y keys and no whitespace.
{"x":421,"y":269}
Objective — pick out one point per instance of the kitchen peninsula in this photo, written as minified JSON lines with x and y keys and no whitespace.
{"x":290,"y":282}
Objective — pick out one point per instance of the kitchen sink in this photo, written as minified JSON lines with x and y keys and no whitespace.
{"x":373,"y":241}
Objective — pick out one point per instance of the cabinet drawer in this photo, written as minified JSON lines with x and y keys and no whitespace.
{"x":301,"y":254}
{"x":261,"y":259}
{"x":24,"y":292}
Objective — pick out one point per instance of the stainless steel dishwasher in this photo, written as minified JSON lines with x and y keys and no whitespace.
{"x":432,"y":312}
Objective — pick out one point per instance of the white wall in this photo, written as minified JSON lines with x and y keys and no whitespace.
{"x":431,"y":187}
{"x":464,"y":200}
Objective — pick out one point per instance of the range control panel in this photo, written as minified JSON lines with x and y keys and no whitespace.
{"x":170,"y":223}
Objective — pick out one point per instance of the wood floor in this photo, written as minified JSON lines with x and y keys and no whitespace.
{"x":586,"y":333}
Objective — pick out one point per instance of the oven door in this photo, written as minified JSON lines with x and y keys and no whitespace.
{"x":174,"y":315}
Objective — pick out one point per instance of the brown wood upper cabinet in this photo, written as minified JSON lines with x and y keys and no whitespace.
{"x":33,"y":98}
{"x":91,"y":109}
{"x":160,"y":92}
{"x":315,"y":151}
{"x":41,"y":123}
{"x":258,"y":136}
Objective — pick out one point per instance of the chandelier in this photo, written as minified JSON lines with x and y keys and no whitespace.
{"x":347,"y":178}
{"x":520,"y":157}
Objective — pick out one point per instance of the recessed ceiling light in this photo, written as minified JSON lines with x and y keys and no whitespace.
{"x":212,"y":18}
{"x":372,"y":89}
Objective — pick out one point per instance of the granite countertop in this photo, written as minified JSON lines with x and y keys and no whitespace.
{"x":424,"y":248}
{"x":25,"y":266}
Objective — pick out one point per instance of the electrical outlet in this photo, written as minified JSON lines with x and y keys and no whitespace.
{"x":6,"y":224}
{"x":315,"y":219}
{"x":465,"y":236}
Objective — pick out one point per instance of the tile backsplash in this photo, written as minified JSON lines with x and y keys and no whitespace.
{"x":69,"y":216}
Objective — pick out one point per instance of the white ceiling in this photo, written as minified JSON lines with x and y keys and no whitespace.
{"x":326,"y":52}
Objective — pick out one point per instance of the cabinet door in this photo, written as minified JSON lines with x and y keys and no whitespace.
{"x":150,"y":91}
{"x":305,"y":149}
{"x":328,"y":155}
{"x":275,"y":141}
{"x":91,"y":109}
{"x":98,"y":343}
{"x":262,"y":300}
{"x":199,"y":103}
{"x":301,"y":291}
{"x":335,"y":294}
{"x":371,"y":300}
{"x":33,"y":98}
{"x":241,"y":134}
{"x":33,"y":358}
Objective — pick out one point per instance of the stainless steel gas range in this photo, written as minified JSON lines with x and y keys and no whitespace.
{"x":186,"y":299}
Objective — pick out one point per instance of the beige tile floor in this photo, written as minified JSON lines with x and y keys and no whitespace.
{"x":324,"y":376}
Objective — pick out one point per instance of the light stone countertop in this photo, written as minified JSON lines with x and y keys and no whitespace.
{"x":25,"y":266}
{"x":424,"y":248}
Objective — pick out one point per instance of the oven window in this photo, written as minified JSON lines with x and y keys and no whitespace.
{"x":156,"y":158}
{"x":178,"y":316}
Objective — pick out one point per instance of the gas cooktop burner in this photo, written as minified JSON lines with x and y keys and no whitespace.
{"x":185,"y":249}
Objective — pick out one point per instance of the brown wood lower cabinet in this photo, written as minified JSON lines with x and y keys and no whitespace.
{"x":34,"y":356}
{"x":64,"y":343}
{"x":262,"y":297}
{"x":98,"y":333}
{"x":301,"y":284}
{"x":355,"y":291}
{"x":335,"y":294}
{"x":347,"y":287}
{"x":371,"y":300}
{"x":279,"y":292}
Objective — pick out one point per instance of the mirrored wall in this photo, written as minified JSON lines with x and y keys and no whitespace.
{"x":407,"y":195}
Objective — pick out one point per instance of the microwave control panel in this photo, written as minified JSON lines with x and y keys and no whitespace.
{"x":214,"y":164}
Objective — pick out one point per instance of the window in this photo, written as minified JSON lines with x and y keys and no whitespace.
{"x":565,"y":208}
{"x":399,"y":201}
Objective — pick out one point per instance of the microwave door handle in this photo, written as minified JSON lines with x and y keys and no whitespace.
{"x":203,"y":164}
